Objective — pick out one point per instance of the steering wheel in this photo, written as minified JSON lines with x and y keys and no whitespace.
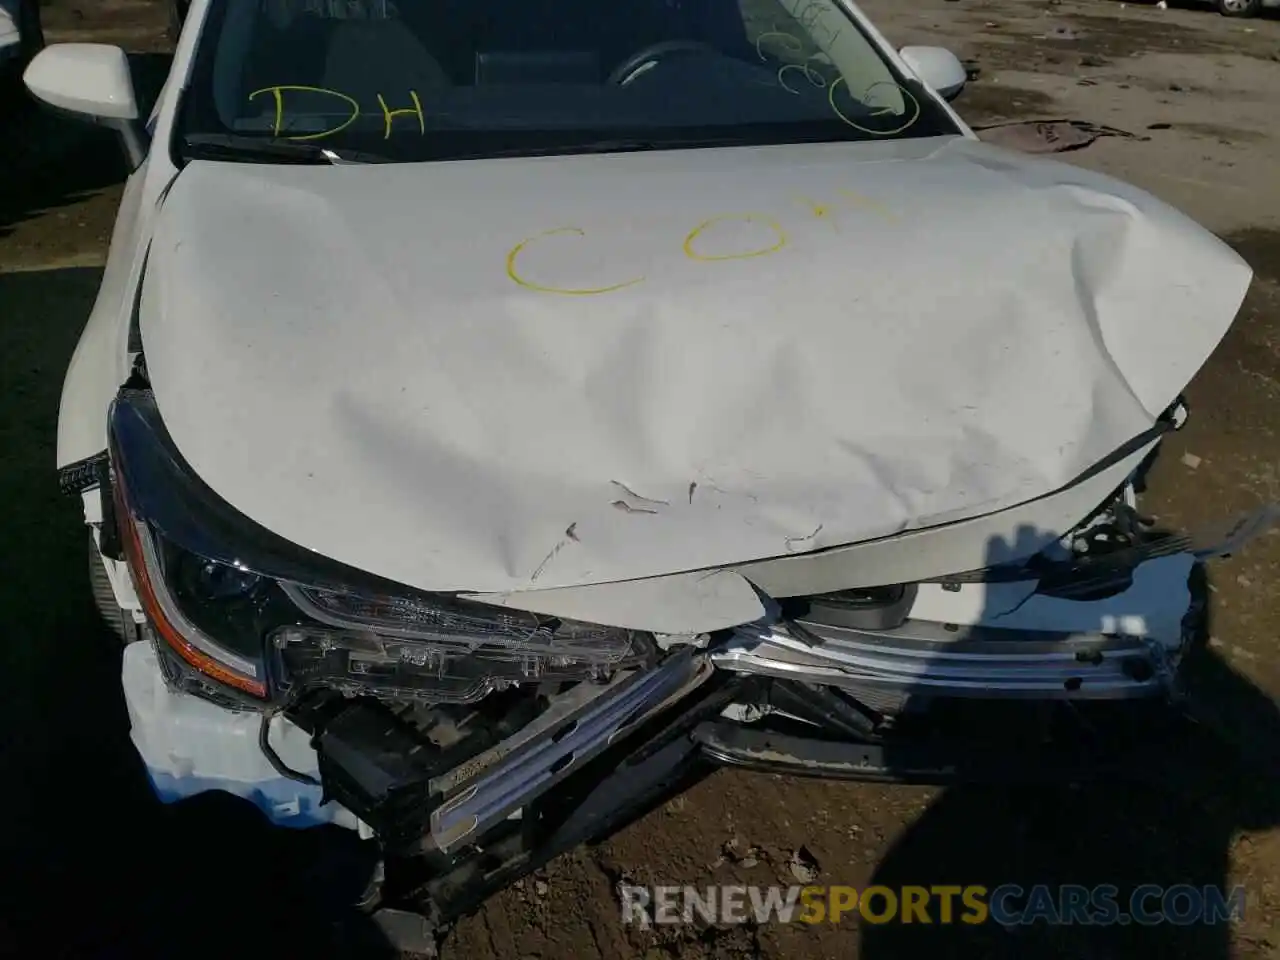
{"x":630,"y":68}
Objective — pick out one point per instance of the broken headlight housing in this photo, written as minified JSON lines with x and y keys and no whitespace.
{"x":241,"y":614}
{"x":438,"y":649}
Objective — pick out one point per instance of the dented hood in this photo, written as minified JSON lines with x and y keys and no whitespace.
{"x":534,"y":373}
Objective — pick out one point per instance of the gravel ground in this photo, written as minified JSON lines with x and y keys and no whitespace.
{"x":138,"y":879}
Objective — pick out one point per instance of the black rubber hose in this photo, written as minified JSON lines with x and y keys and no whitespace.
{"x":273,"y":758}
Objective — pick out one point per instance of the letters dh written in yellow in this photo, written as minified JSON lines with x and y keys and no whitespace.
{"x":388,"y":114}
{"x":416,"y":111}
{"x":805,"y":69}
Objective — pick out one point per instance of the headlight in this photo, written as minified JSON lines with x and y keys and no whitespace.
{"x":269,"y":620}
{"x":439,"y":648}
{"x":189,"y":608}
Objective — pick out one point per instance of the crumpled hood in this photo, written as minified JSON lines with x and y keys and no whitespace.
{"x":532,"y":373}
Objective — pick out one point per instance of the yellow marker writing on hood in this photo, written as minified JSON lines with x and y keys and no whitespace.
{"x":769,"y":222}
{"x":514,"y":273}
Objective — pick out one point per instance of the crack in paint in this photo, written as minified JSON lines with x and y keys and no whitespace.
{"x":790,"y":540}
{"x":547,"y":559}
{"x":639,"y":499}
{"x":628,"y":508}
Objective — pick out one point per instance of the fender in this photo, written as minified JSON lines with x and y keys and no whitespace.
{"x":103,"y":355}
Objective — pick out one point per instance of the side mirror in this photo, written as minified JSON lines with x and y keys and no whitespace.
{"x":938,"y":68}
{"x":90,"y":81}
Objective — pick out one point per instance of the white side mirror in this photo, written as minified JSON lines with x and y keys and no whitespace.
{"x":938,"y":68}
{"x":91,"y":80}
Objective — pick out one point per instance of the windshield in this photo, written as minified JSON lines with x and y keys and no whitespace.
{"x":444,"y":79}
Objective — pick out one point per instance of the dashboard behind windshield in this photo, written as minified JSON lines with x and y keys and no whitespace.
{"x":441,"y":79}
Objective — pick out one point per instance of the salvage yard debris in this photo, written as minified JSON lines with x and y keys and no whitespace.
{"x":1048,"y":136}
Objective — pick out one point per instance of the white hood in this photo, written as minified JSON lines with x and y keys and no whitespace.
{"x":367,"y":360}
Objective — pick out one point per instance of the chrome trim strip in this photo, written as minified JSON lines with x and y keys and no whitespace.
{"x":1021,"y":664}
{"x":535,"y":767}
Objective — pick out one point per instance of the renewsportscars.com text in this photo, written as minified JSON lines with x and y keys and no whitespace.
{"x":1008,"y":904}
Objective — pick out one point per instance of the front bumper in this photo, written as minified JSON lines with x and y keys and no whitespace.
{"x":191,"y":746}
{"x":800,"y":697}
{"x":987,"y":699}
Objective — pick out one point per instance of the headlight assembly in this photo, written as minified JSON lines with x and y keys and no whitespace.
{"x":264,"y":620}
{"x":214,"y":635}
{"x":439,"y":649}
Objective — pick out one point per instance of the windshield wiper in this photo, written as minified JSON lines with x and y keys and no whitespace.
{"x":232,"y":146}
{"x":610,"y":146}
{"x":640,"y":145}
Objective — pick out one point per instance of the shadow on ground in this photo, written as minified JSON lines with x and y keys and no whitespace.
{"x":83,"y":838}
{"x":53,"y":161}
{"x":1175,"y":825}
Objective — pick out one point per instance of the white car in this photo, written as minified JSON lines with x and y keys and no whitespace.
{"x":20,"y":32}
{"x":492,"y":409}
{"x":1244,"y":8}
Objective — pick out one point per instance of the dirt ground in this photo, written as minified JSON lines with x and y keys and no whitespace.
{"x":1199,"y":91}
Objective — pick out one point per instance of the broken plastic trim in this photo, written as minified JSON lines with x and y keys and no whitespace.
{"x":733,"y":745}
{"x":81,"y":476}
{"x":509,"y":784}
{"x":662,"y":752}
{"x":376,"y":765}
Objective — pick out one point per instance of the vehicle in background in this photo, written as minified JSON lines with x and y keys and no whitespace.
{"x":1245,"y":8}
{"x":21,"y":37}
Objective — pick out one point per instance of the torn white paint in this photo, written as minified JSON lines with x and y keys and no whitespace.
{"x":944,"y":330}
{"x":680,"y":604}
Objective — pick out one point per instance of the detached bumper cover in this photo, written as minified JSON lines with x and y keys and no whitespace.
{"x":190,"y":746}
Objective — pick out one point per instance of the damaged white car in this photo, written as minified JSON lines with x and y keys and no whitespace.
{"x":493,"y":412}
